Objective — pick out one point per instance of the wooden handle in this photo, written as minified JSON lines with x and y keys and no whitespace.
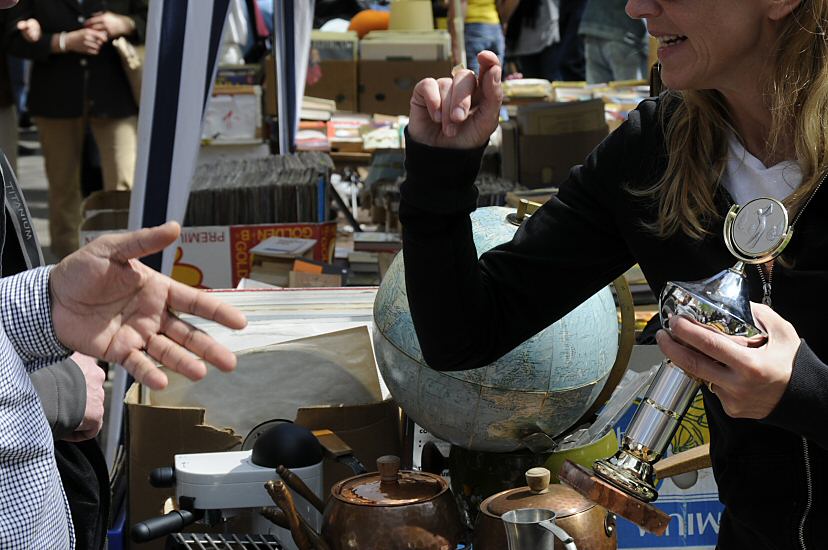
{"x":332,"y":443}
{"x":280,"y":494}
{"x":278,"y":517}
{"x":538,"y":480}
{"x":388,"y":467}
{"x":690,"y":460}
{"x":295,"y":482}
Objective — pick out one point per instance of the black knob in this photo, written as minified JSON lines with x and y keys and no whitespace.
{"x":173,"y":522}
{"x":162,"y":477}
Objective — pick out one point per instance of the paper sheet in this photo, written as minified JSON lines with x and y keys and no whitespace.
{"x":274,"y":381}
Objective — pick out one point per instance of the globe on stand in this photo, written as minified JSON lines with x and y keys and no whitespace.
{"x":541,"y":388}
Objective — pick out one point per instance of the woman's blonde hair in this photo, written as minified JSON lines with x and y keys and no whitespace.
{"x":698,"y":125}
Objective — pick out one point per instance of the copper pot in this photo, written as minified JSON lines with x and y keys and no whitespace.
{"x":591,"y":526}
{"x":392,"y":509}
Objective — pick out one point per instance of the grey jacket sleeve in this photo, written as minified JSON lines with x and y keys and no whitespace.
{"x":62,"y":391}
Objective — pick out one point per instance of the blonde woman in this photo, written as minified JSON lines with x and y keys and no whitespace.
{"x":744,"y":117}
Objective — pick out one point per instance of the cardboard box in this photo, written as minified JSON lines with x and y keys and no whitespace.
{"x":216,"y":256}
{"x":336,"y":80}
{"x":509,"y":151}
{"x":156,"y":434}
{"x":233,"y":113}
{"x":545,"y":161}
{"x":331,"y":79}
{"x":561,"y":118}
{"x":386,"y":86}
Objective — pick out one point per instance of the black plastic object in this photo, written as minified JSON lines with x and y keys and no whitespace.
{"x":162,"y":477}
{"x":287,"y":444}
{"x":153,"y":528}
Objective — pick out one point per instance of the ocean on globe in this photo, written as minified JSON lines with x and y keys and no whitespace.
{"x":544,"y":385}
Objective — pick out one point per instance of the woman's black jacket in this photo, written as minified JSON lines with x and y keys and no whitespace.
{"x":772,"y":473}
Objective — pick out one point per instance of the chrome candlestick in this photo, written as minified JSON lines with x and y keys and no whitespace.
{"x":754,"y":233}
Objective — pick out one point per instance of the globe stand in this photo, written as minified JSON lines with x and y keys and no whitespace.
{"x":476,"y":475}
{"x":755,"y":233}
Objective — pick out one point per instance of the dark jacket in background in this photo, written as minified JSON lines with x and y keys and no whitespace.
{"x":6,"y":96}
{"x":70,"y":85}
{"x":607,"y":19}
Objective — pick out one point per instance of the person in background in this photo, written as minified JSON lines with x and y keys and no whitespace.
{"x":543,"y":39}
{"x":483,"y":22}
{"x":77,"y":78}
{"x":615,"y":45}
{"x":532,"y":36}
{"x":744,"y":116}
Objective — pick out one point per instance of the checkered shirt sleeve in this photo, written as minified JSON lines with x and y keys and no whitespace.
{"x":34,"y":512}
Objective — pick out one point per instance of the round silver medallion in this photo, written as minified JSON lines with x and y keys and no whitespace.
{"x":757,"y":231}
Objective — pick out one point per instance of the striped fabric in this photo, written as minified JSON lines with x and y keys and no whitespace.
{"x":183,"y":39}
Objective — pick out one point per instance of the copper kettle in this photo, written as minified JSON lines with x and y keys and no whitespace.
{"x":392,"y":509}
{"x":589,"y":525}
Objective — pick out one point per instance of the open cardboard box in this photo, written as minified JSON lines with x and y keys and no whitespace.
{"x":156,"y":434}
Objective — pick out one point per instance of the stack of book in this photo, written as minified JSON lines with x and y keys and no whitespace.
{"x":317,"y":108}
{"x":272,"y":259}
{"x":365,"y":241}
{"x":364,"y":268}
{"x":310,"y":273}
{"x":344,"y":131}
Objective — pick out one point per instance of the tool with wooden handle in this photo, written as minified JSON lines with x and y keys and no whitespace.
{"x":295,"y":482}
{"x":279,"y":518}
{"x":334,"y":448}
{"x":281,"y":496}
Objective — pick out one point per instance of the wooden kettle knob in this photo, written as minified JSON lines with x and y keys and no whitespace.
{"x":538,"y":480}
{"x":388,"y":467}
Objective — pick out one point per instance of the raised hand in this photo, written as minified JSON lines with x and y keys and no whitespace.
{"x":459,"y":112}
{"x":30,"y":30}
{"x":749,"y":381}
{"x":107,"y":304}
{"x":112,"y":24}
{"x":86,"y":41}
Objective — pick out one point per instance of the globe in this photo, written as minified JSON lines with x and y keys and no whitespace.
{"x":544,"y":385}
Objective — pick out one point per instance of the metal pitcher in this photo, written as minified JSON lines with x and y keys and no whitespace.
{"x":534,"y":529}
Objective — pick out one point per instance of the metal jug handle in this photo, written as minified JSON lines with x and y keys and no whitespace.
{"x":563,"y":536}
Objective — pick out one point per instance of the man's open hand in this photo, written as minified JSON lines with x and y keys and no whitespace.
{"x":107,"y":304}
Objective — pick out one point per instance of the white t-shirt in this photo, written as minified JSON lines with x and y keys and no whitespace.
{"x":746,"y":178}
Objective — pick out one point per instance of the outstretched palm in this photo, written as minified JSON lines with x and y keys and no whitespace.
{"x":107,"y":304}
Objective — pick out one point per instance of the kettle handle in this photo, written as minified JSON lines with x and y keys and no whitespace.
{"x":563,"y":536}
